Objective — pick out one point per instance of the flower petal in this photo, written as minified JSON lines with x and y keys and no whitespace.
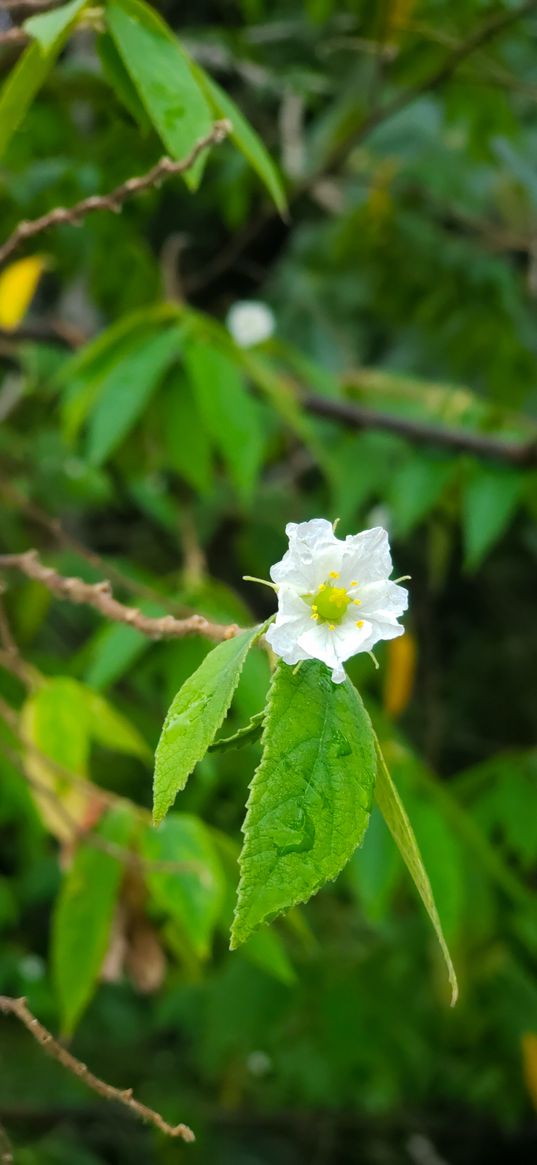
{"x":382,"y":598}
{"x":366,"y":557}
{"x":313,"y":552}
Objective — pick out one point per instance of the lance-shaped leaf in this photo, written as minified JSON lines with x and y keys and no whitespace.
{"x":160,"y":71}
{"x":194,"y":717}
{"x":395,"y":816}
{"x":84,"y":914}
{"x":50,"y":30}
{"x":310,"y":798}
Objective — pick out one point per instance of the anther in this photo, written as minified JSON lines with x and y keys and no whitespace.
{"x":334,"y":574}
{"x":357,"y":602}
{"x":360,"y":623}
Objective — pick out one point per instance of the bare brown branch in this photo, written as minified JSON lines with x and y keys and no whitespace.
{"x":519,"y":453}
{"x":19,"y":1008}
{"x":63,"y":538}
{"x":114,"y":201}
{"x":13,"y":36}
{"x":28,"y":5}
{"x":99,"y":596}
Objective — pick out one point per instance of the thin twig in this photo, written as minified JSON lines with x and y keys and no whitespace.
{"x":520,"y":453}
{"x":10,"y":658}
{"x":99,"y":596}
{"x":28,"y":5}
{"x":62,"y":536}
{"x":13,"y":36}
{"x":19,"y":1008}
{"x":113,"y":201}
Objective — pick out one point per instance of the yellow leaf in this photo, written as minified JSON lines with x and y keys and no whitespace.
{"x":400,"y":674}
{"x":55,"y":762}
{"x":529,"y":1061}
{"x":18,"y":284}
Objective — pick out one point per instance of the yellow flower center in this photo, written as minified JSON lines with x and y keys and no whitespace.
{"x":330,"y":603}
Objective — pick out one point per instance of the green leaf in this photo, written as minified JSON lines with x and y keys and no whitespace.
{"x":114,"y":649}
{"x":265,"y":949}
{"x":444,"y":862}
{"x":52,"y":30}
{"x":161,"y":73}
{"x":110,"y":728}
{"x":83,"y":917}
{"x":281,"y":394}
{"x":374,"y":870}
{"x":246,"y":735}
{"x":243,"y":135}
{"x":47,"y":722}
{"x":185,"y":434}
{"x":191,"y":896}
{"x":118,"y":78}
{"x":126,"y":391}
{"x":229,"y":412}
{"x":310,"y":798}
{"x":85,"y":375}
{"x":395,"y":816}
{"x":490,"y":500}
{"x":194,"y":717}
{"x":417,"y":488}
{"x":47,"y":28}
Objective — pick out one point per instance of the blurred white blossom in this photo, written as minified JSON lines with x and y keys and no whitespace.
{"x":250,"y":322}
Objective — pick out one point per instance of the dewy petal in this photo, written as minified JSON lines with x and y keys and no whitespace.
{"x":313,"y":552}
{"x":383,"y":598}
{"x":293,"y":618}
{"x":319,"y":643}
{"x":285,"y":645}
{"x":366,"y":557}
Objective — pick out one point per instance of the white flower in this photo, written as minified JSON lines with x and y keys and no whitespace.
{"x":335,"y":597}
{"x":250,"y":322}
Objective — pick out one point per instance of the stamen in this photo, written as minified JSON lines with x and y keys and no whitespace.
{"x":403,"y":578}
{"x":360,"y":623}
{"x":375,"y":661}
{"x":357,"y":602}
{"x":322,"y":587}
{"x":354,"y":582}
{"x":331,"y":627}
{"x":334,"y":574}
{"x":335,"y":525}
{"x":264,"y":581}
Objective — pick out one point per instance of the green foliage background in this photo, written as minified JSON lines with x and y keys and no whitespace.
{"x":402,"y":278}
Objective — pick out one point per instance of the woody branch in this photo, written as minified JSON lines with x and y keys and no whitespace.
{"x":115,"y":199}
{"x":19,"y":1008}
{"x":99,"y":596}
